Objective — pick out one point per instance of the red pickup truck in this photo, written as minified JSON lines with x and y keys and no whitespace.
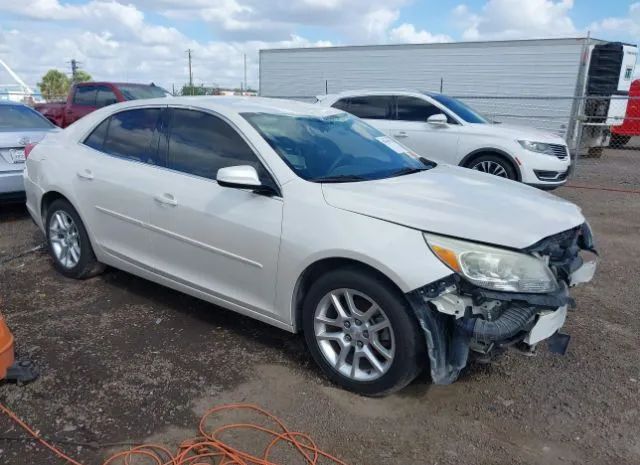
{"x":86,"y":97}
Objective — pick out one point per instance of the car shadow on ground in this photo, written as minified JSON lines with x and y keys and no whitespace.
{"x":250,"y":330}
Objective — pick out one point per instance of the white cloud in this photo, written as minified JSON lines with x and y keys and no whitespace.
{"x":629,"y":25}
{"x":116,"y":42}
{"x":407,"y":33}
{"x":358,"y":21}
{"x":516,"y":19}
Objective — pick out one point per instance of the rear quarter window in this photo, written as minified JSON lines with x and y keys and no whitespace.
{"x":96,"y":138}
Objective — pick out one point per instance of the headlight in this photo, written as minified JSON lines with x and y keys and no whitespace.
{"x":492,"y":267}
{"x":539,"y":147}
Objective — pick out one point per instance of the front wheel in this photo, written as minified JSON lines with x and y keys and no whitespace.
{"x":360,"y":331}
{"x":69,"y":243}
{"x":493,"y":164}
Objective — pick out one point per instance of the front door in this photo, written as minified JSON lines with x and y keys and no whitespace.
{"x":220,"y":241}
{"x":438,"y":142}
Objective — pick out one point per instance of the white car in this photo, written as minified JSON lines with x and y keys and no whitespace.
{"x":444,"y":129}
{"x":309,"y":219}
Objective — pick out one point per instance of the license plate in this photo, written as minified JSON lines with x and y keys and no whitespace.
{"x":17,"y":155}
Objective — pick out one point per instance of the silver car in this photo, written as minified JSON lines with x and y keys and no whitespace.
{"x":19,"y":127}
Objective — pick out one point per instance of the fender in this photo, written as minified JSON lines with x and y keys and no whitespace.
{"x":497,"y":152}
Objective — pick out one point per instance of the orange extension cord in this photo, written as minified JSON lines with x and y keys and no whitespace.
{"x":208,"y":448}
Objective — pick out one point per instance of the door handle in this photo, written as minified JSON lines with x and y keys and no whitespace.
{"x":166,"y":199}
{"x":85,"y":174}
{"x":400,"y":135}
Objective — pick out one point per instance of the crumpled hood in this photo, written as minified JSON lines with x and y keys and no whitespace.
{"x":462,"y":203}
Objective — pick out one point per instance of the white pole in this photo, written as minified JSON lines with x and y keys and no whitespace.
{"x":25,"y":88}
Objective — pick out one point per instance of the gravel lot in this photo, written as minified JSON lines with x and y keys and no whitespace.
{"x":123,"y":359}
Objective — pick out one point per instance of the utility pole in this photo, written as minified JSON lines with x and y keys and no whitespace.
{"x":245,"y":72}
{"x":75,"y":67}
{"x":190,"y":71}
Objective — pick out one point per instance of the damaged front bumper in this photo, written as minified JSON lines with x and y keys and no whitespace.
{"x":459,"y":319}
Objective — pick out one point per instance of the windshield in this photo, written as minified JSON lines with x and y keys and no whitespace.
{"x":138,"y":92}
{"x":462,"y":110}
{"x":18,"y":117}
{"x":337,"y":148}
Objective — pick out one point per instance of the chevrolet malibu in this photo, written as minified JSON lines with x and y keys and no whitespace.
{"x":311,"y":220}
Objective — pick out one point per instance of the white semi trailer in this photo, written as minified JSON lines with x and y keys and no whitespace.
{"x":553,"y":84}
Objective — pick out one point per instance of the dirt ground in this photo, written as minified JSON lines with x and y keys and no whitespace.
{"x":123,"y":359}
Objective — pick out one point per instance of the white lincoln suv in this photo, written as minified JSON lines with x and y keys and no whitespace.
{"x":311,"y":220}
{"x":445,"y":129}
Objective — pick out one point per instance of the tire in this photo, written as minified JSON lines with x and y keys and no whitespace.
{"x":494,"y":164}
{"x":618,"y":141}
{"x":401,"y":338}
{"x":79,"y":262}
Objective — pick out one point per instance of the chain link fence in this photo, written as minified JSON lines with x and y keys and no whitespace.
{"x":592,"y":125}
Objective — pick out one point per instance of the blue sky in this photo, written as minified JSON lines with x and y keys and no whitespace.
{"x":145,"y":40}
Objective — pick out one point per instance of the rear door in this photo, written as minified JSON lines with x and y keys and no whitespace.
{"x":377,"y":110}
{"x":218,"y":240}
{"x":116,"y":170}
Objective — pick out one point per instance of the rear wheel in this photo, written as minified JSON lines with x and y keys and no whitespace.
{"x":618,"y":141}
{"x":69,"y":243}
{"x":360,"y":331}
{"x":495,"y":165}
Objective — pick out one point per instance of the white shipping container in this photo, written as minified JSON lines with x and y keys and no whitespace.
{"x":541,"y":78}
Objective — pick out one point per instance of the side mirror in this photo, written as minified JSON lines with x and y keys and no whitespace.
{"x":242,"y":177}
{"x":439,"y":119}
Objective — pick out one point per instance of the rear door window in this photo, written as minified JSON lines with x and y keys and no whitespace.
{"x":85,"y":95}
{"x":201,"y":144}
{"x":105,"y":96}
{"x":371,"y":107}
{"x":131,"y":134}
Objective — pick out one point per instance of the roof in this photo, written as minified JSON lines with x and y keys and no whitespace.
{"x":380,"y":91}
{"x":241,"y":105}
{"x":487,"y":43}
{"x":111,"y":83}
{"x":12,"y":102}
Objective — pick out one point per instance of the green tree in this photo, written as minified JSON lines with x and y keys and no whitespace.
{"x":82,"y":76}
{"x":54,"y":85}
{"x":193,"y":90}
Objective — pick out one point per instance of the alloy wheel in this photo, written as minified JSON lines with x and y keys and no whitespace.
{"x":64,"y":239}
{"x":491,"y":167}
{"x":354,"y":334}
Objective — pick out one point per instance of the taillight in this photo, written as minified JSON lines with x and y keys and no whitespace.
{"x":28,"y":148}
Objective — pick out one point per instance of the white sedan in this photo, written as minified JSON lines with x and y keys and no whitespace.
{"x":311,"y":220}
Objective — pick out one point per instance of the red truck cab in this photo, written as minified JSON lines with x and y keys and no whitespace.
{"x":630,"y":127}
{"x":86,"y":97}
